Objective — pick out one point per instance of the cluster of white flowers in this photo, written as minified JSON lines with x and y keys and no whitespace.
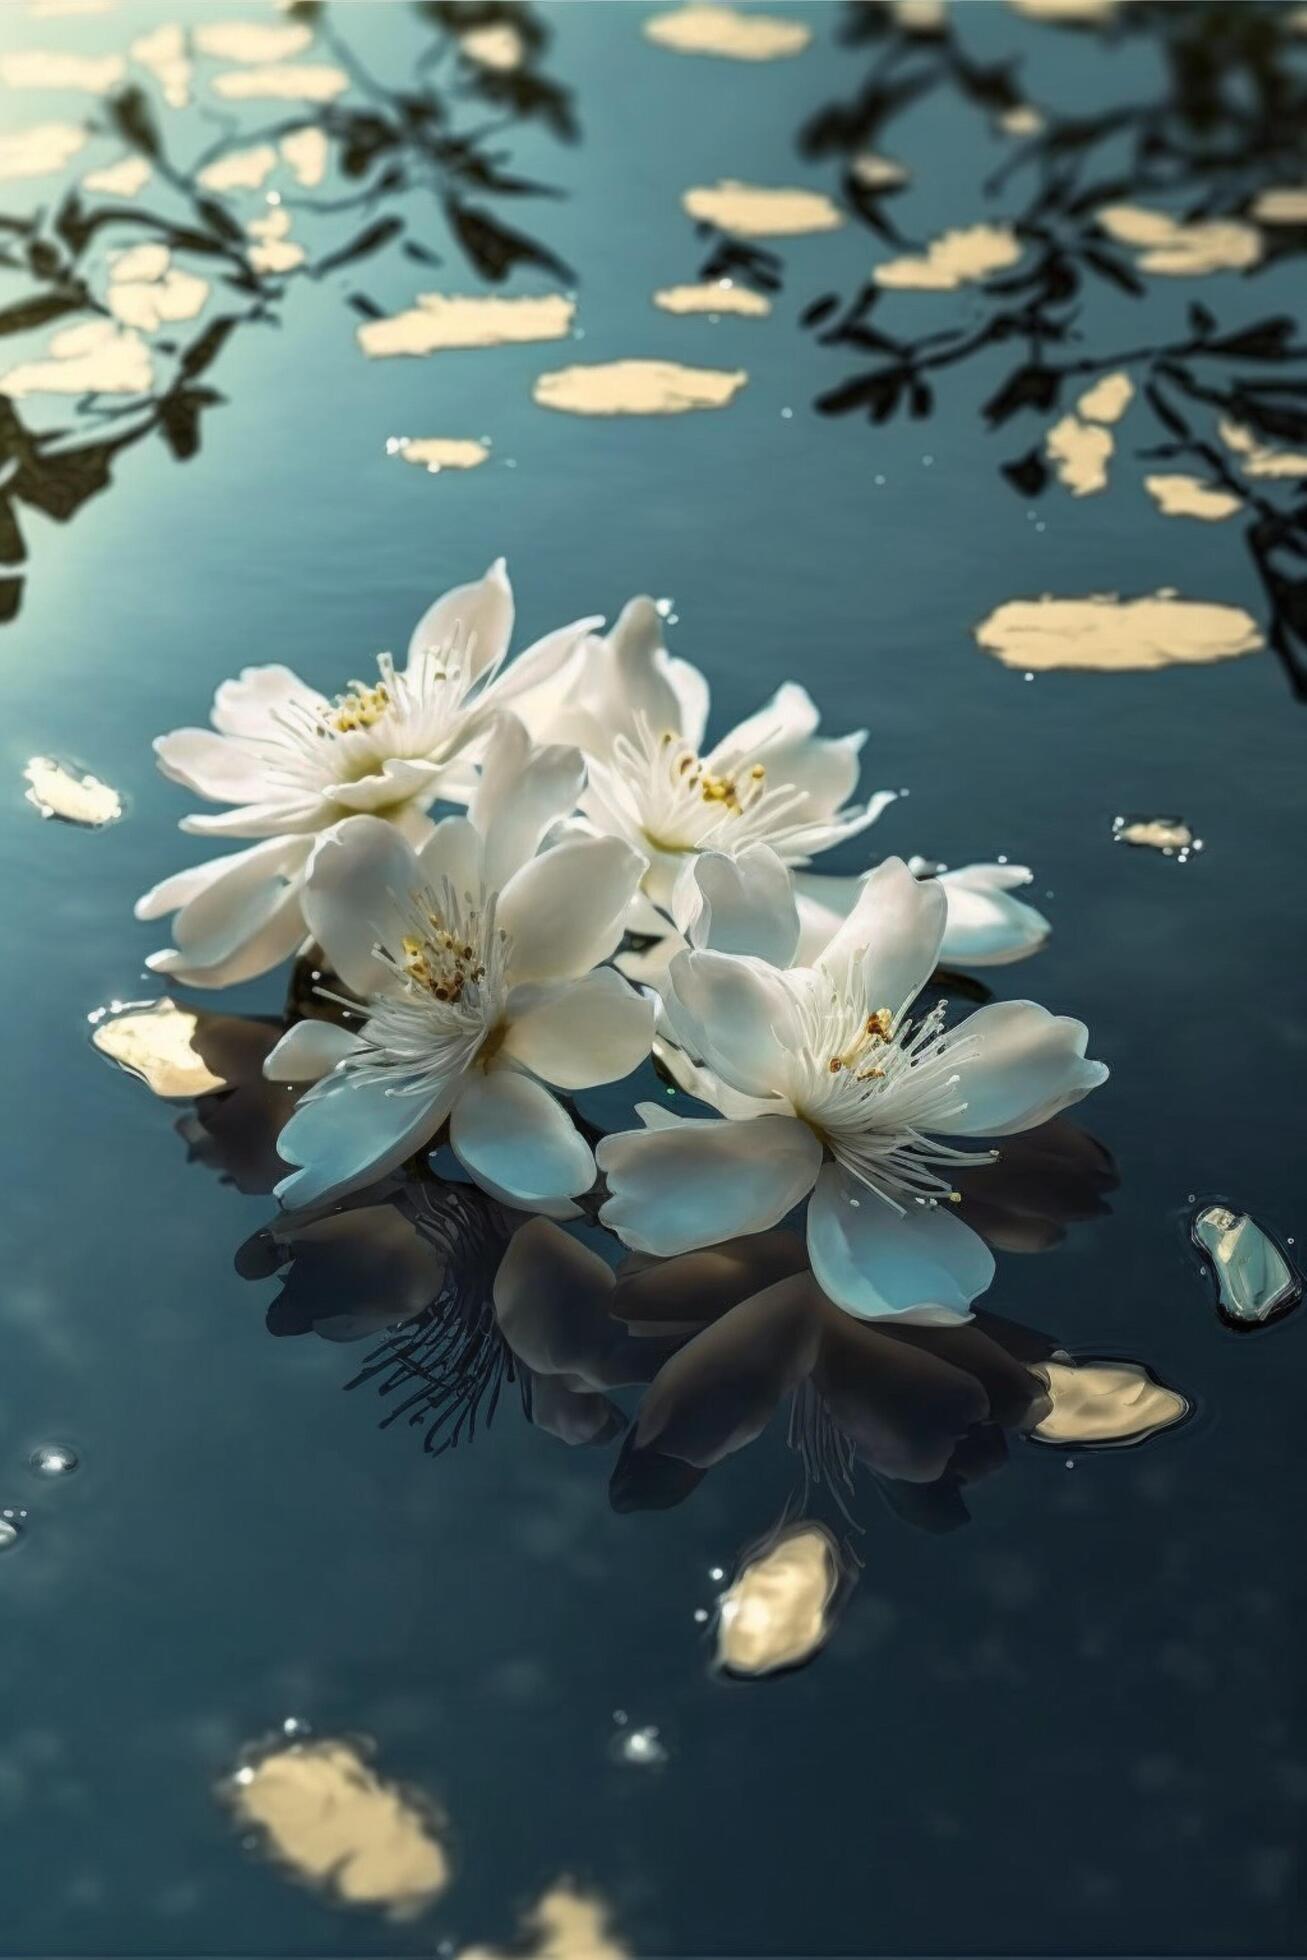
{"x":477,"y":953}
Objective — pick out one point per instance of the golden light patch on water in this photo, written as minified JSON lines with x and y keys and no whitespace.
{"x":565,"y":1924}
{"x":1066,"y":10}
{"x":146,"y":289}
{"x":126,"y":178}
{"x":1176,"y":250}
{"x":252,"y":40}
{"x":1023,"y":120}
{"x":445,"y":320}
{"x":761,"y":211}
{"x":1255,"y":1282}
{"x":637,"y":388}
{"x":1154,"y":833}
{"x":776,"y":1613}
{"x":324,"y":1815}
{"x":97,"y":357}
{"x":304,"y":81}
{"x":1108,"y":399}
{"x":879,"y":173}
{"x":274,"y":250}
{"x":1285,"y":205}
{"x":1109,"y":635}
{"x":1080,"y":453}
{"x":1104,"y":1402}
{"x":57,"y":791}
{"x":155,"y":1041}
{"x":497,"y":46}
{"x":240,"y":170}
{"x":920,"y":16}
{"x":40,"y":150}
{"x":436,"y":453}
{"x":727,"y":33}
{"x":1178,"y":495}
{"x":163,"y":52}
{"x":87,"y":74}
{"x":306,"y":153}
{"x":714,"y":296}
{"x":1258,"y":458}
{"x":955,"y":258}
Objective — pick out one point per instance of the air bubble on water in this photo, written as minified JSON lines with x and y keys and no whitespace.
{"x":927,"y":461}
{"x":620,"y":1717}
{"x":293,"y":1726}
{"x":1027,"y":677}
{"x":787,"y":415}
{"x":716,"y":1574}
{"x":1070,"y":1463}
{"x":9,"y":1535}
{"x":643,"y":1748}
{"x":53,"y":1460}
{"x":880,"y":481}
{"x":700,"y":1615}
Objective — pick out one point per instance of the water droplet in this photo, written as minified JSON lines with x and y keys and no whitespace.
{"x":787,"y":415}
{"x":641,"y":1747}
{"x":880,"y":481}
{"x":294,"y":1726}
{"x":700,"y":1615}
{"x":53,"y":1460}
{"x":9,"y":1535}
{"x":1028,"y":677}
{"x":716,"y":1574}
{"x":664,"y":607}
{"x":1070,"y":1463}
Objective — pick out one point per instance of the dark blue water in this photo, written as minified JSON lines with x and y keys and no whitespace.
{"x":1074,"y":1722}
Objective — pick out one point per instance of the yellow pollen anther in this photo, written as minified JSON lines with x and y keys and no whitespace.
{"x":873,"y":1034}
{"x":360,"y":706}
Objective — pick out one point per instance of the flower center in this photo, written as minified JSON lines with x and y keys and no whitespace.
{"x":360,"y":706}
{"x":736,"y":792}
{"x":874,"y":1034}
{"x":441,"y":961}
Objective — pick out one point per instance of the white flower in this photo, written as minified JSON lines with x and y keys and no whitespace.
{"x":640,"y":716}
{"x":984,"y":924}
{"x":478,"y":960}
{"x":291,"y":763}
{"x":831,"y":1087}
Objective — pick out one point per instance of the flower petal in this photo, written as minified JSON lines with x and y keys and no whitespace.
{"x":741,"y":904}
{"x":350,"y":1132}
{"x":291,"y":819}
{"x":734,"y":1013}
{"x":578,"y":1033}
{"x":246,"y":705}
{"x":924,"y":1267}
{"x":985,"y":925}
{"x":692,"y":1183}
{"x":892,"y":935}
{"x":178,"y":890}
{"x":221,"y":767}
{"x":308,"y":1051}
{"x":541,"y":678}
{"x":522,"y":793}
{"x":241,"y":922}
{"x":360,"y":876}
{"x":480,"y":615}
{"x":510,"y":1130}
{"x":564,"y":911}
{"x":1027,"y":1065}
{"x":397,"y":781}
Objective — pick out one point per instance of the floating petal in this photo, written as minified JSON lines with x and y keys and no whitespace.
{"x":637,"y":388}
{"x":155,"y":1041}
{"x":57,"y":791}
{"x":1254,"y":1280}
{"x":1104,"y":1404}
{"x":776,"y":1613}
{"x":722,"y":31}
{"x":1107,"y":634}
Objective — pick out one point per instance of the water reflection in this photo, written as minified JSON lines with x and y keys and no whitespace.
{"x":156,"y":236}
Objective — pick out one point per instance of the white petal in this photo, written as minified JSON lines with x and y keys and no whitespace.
{"x":454,"y":850}
{"x":985,"y":925}
{"x":510,"y":1130}
{"x":308,"y":1051}
{"x":925,"y":1267}
{"x":183,"y":886}
{"x":578,"y":1033}
{"x":350,"y":1132}
{"x":522,"y":793}
{"x":246,"y":705}
{"x":291,"y":819}
{"x":397,"y":781}
{"x":790,"y":717}
{"x":736,"y":1014}
{"x":240,"y":922}
{"x":565,"y":910}
{"x":824,"y":903}
{"x":741,"y":904}
{"x":1028,"y":1065}
{"x":359,"y":878}
{"x":893,"y":935}
{"x":221,"y":767}
{"x":480,"y":615}
{"x":542,"y":676}
{"x":688,"y":1184}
